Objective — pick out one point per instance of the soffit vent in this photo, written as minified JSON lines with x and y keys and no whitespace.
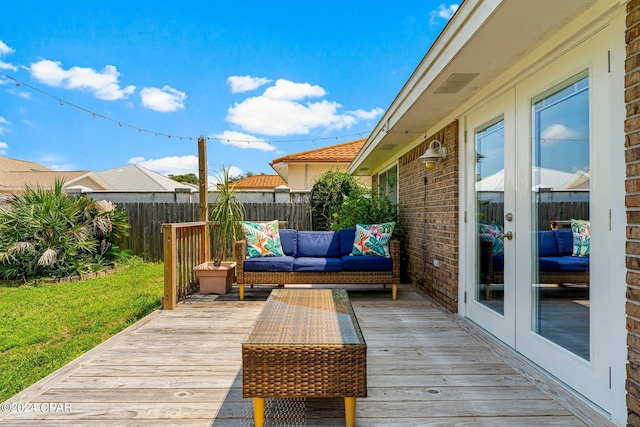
{"x":456,"y":82}
{"x":386,"y":147}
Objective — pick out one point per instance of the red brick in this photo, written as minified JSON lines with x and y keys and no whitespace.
{"x":430,"y":219}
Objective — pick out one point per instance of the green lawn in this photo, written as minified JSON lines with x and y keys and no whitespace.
{"x":45,"y":326}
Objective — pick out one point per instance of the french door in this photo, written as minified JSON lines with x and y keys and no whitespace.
{"x":491,"y":149}
{"x":536,"y":282}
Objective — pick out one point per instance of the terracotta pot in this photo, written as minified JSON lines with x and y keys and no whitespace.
{"x":215,"y":280}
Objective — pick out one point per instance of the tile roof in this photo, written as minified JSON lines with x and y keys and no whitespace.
{"x":258,"y":182}
{"x":340,"y":153}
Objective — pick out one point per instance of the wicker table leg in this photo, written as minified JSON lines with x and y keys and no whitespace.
{"x":258,"y":411}
{"x":350,"y":411}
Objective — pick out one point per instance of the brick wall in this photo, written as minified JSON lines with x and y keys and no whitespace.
{"x":429,"y":215}
{"x":632,"y":157}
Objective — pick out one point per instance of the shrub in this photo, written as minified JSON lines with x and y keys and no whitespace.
{"x":368,"y":207}
{"x":328,"y":192}
{"x":45,"y":233}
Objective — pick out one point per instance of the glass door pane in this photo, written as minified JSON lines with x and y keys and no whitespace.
{"x":489,"y":215}
{"x":560,"y":215}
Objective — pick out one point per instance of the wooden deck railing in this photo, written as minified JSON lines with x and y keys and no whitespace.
{"x":186,"y":245}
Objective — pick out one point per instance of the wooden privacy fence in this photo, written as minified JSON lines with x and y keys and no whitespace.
{"x":185,"y":246}
{"x":493,"y":213}
{"x":146,"y":219}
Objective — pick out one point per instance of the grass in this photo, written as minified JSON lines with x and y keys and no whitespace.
{"x":45,"y":326}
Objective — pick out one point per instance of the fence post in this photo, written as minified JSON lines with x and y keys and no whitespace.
{"x":170,"y":265}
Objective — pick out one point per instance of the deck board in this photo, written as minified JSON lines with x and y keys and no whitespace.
{"x":183,"y":367}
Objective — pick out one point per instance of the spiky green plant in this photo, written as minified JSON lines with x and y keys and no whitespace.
{"x":227,"y":212}
{"x":45,"y":233}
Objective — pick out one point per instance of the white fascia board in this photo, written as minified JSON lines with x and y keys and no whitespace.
{"x":467,"y":20}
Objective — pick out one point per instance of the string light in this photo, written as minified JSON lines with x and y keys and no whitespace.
{"x":169,"y":136}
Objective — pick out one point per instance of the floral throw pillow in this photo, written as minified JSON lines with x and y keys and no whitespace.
{"x":581,"y":237}
{"x":263,"y":239}
{"x":492,"y":233}
{"x":373,"y":239}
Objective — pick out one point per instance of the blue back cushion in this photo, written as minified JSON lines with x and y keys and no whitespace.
{"x":289,"y":241}
{"x":318,"y":244}
{"x":547,"y":243}
{"x":347,"y":236}
{"x":564,"y":237}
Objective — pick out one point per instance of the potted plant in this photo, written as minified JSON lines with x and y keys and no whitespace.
{"x":226,"y":215}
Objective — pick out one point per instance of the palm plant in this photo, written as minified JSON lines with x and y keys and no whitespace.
{"x":45,"y":233}
{"x":227,"y":213}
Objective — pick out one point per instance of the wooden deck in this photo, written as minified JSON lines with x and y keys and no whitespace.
{"x":183,"y":368}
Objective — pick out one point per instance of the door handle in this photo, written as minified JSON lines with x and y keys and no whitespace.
{"x":508,"y":235}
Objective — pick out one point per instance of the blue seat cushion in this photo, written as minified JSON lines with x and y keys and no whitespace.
{"x":318,"y":244}
{"x":564,"y":263}
{"x":289,"y":241}
{"x":366,"y":263}
{"x":317,"y":264}
{"x":498,"y":263}
{"x":273,"y":264}
{"x":347,"y":237}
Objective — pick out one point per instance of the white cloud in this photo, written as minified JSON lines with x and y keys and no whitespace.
{"x":243,"y":140}
{"x":4,"y":124}
{"x":62,"y":167}
{"x":103,"y":84}
{"x":444,"y":12}
{"x":3,"y":148}
{"x":285,"y":89}
{"x":367,"y":115}
{"x":164,"y":100}
{"x":558,"y":132}
{"x":174,"y":165}
{"x":234,"y":172}
{"x":281,"y":110}
{"x":241,"y":84}
{"x":6,"y":50}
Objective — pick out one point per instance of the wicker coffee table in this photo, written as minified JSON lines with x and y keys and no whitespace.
{"x":305,"y":343}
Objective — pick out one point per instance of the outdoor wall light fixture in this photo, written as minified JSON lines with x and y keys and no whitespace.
{"x":434,"y":153}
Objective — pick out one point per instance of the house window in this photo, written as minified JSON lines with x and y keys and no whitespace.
{"x":388,"y":183}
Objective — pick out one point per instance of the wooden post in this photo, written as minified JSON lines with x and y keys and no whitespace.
{"x":170,"y":266}
{"x":203,"y":179}
{"x":205,"y":242}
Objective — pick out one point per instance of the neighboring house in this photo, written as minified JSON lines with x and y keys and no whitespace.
{"x":299,"y":170}
{"x":264,"y":188}
{"x":138,"y":178}
{"x":16,"y":174}
{"x":512,"y":88}
{"x":134,"y":183}
{"x":258,"y":182}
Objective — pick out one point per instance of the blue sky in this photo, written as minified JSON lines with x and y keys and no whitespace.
{"x":260,"y":79}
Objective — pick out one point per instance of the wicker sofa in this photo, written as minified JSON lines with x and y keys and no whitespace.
{"x":555,"y":261}
{"x":318,"y":257}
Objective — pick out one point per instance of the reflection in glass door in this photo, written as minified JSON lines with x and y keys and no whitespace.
{"x":489,"y":214}
{"x":560,"y":215}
